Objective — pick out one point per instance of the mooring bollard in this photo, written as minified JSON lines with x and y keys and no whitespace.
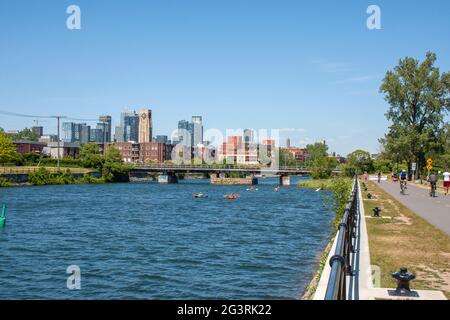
{"x":403,"y":278}
{"x":376,"y":212}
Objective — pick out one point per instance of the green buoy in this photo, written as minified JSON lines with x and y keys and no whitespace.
{"x":3,"y":216}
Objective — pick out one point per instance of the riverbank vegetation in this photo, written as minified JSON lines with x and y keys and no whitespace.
{"x":43,"y":170}
{"x":406,"y":240}
{"x":5,"y":183}
{"x":43,"y":177}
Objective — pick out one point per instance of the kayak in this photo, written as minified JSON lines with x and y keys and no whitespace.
{"x":200,"y":195}
{"x":231,"y":196}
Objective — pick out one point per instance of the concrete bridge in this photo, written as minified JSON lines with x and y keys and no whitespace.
{"x":168,"y":172}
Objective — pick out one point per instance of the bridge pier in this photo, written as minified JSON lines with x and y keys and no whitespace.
{"x":285,"y":180}
{"x":168,"y":178}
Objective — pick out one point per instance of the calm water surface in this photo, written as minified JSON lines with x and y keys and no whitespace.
{"x":151,"y":241}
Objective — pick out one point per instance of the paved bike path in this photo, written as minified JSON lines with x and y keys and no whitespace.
{"x":434,"y":210}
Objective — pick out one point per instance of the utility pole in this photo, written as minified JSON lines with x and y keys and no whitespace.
{"x":58,"y":118}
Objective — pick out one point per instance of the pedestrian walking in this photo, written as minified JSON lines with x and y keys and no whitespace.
{"x":446,"y":175}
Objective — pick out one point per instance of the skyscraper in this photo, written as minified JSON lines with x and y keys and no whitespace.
{"x":68,"y":131}
{"x":162,"y":139}
{"x":76,"y":132}
{"x":184,"y":132}
{"x":107,"y":127}
{"x":129,"y":127}
{"x":197,"y":130}
{"x":145,"y":126}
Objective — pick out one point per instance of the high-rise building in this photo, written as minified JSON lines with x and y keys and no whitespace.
{"x":249,"y":136}
{"x":184,"y":132}
{"x":85,"y":133}
{"x":162,"y":139}
{"x":288,"y":143}
{"x":128,"y":131}
{"x":119,"y":134}
{"x":96,"y":134}
{"x":145,"y":126}
{"x":39,"y":131}
{"x":76,"y":132}
{"x":68,"y":131}
{"x":197,"y":130}
{"x":106,"y":120}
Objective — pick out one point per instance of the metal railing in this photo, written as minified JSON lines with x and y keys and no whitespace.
{"x":214,"y":166}
{"x":27,"y":170}
{"x":340,"y":261}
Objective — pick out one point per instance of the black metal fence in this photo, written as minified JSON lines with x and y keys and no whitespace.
{"x":340,"y":261}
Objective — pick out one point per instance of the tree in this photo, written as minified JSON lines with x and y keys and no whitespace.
{"x":7,"y":149}
{"x":114,"y":170}
{"x":419,"y":98}
{"x":90,"y":156}
{"x":286,"y":158}
{"x":361,"y":161}
{"x":25,"y":134}
{"x":316,"y":151}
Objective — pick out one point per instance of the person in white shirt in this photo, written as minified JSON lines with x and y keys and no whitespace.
{"x":446,"y":175}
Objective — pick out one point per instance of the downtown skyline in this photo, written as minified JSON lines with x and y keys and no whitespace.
{"x":219,"y":60}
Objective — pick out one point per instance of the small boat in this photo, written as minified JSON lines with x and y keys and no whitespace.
{"x":252,"y":189}
{"x":200,"y":195}
{"x":319,"y":189}
{"x":231,"y":196}
{"x":3,"y":216}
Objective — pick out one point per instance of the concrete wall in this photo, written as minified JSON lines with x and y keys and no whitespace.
{"x":234,"y":181}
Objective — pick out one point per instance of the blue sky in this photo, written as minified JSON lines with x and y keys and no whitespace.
{"x":248,"y":63}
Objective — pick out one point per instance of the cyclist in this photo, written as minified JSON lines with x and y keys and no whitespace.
{"x":403,"y":178}
{"x":432,"y":178}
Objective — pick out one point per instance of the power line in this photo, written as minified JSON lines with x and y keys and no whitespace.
{"x":14,"y":114}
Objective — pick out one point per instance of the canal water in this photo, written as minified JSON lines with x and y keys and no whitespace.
{"x":151,"y":241}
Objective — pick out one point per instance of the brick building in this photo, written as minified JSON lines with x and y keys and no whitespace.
{"x":26,"y":146}
{"x":144,"y":152}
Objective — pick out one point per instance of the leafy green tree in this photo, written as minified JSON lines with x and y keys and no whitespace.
{"x":25,"y":134}
{"x":419,"y":98}
{"x":361,"y":161}
{"x":287,"y":159}
{"x":7,"y":149}
{"x":382,"y":165}
{"x":90,"y":156}
{"x":317,"y":150}
{"x":114,"y":170}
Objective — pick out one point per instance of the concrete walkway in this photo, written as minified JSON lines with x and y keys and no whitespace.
{"x":435,"y":210}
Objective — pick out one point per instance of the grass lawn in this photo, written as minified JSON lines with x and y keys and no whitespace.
{"x":324,"y":184}
{"x":406,"y":240}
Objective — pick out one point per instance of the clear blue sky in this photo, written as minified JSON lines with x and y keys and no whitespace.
{"x":248,"y":63}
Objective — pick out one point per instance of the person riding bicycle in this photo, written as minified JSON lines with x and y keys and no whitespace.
{"x":432,"y":178}
{"x":403,"y":177}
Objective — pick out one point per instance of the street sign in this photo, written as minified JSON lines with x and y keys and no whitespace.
{"x":430,"y":161}
{"x":429,"y":167}
{"x":413,"y":166}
